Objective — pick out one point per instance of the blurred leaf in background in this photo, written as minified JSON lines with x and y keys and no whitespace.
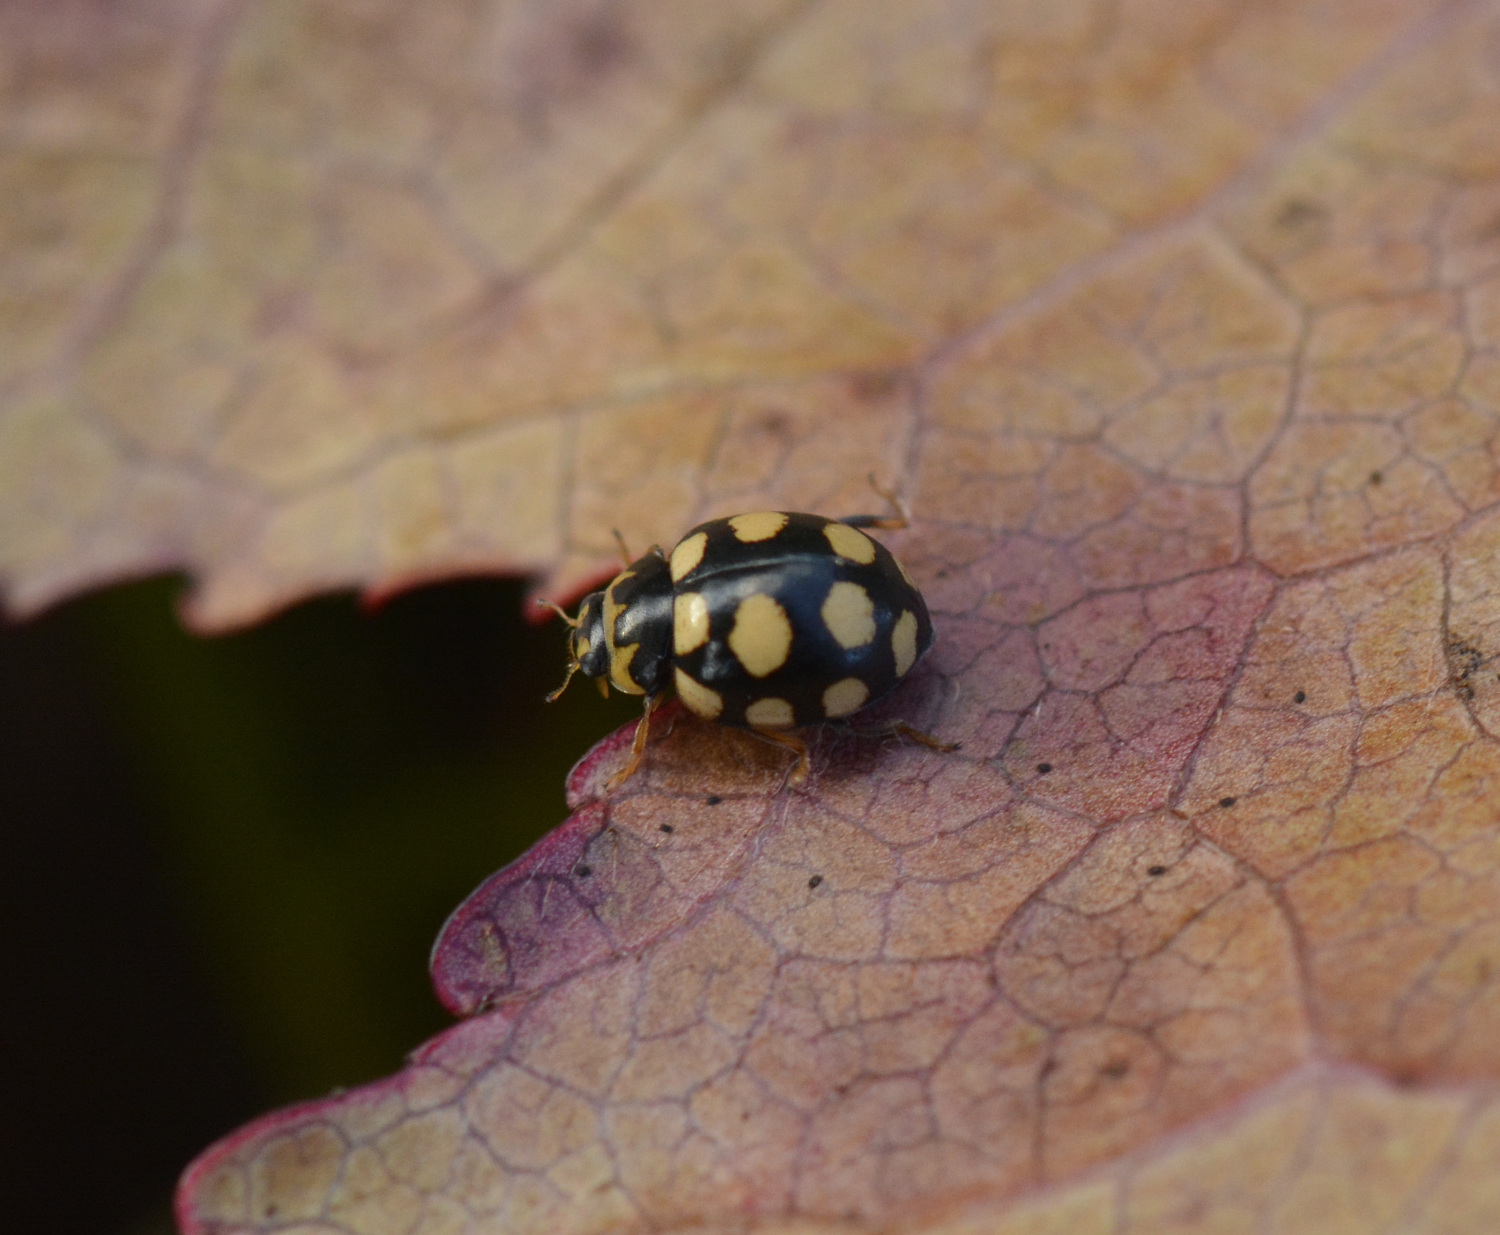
{"x":226,"y":859}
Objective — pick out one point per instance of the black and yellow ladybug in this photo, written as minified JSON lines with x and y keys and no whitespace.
{"x":768,"y":621}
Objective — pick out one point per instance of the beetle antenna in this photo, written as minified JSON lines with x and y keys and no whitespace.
{"x":572,"y":669}
{"x":559,"y":610}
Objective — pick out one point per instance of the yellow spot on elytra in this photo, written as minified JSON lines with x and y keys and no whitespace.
{"x":760,"y":525}
{"x":619,"y":658}
{"x":904,"y":642}
{"x":770,"y":714}
{"x":696,"y":697}
{"x":850,"y":543}
{"x":689,"y":622}
{"x":844,"y":697}
{"x":687,"y":555}
{"x":619,"y":669}
{"x":761,"y":636}
{"x":612,"y":608}
{"x":849,"y":614}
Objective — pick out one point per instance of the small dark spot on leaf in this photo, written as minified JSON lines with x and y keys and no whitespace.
{"x":774,"y":423}
{"x":1044,"y":768}
{"x":942,"y":572}
{"x":1298,"y":212}
{"x":870,"y":387}
{"x":278,"y":309}
{"x":713,"y":799}
{"x":815,"y":881}
{"x":566,"y":58}
{"x":583,"y":872}
{"x":1116,"y":1068}
{"x":1464,"y":663}
{"x":667,"y":827}
{"x":1049,"y":1066}
{"x":1156,"y":870}
{"x":1226,"y":803}
{"x":599,"y":46}
{"x":1376,"y":477}
{"x":1300,"y":697}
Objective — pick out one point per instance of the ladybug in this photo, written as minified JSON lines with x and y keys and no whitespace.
{"x":767,"y":621}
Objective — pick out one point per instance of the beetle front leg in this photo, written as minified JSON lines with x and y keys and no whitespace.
{"x":637,"y":745}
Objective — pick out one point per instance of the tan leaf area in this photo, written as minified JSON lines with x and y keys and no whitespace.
{"x":1179,"y":325}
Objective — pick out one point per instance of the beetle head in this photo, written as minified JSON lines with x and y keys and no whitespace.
{"x":587,"y":650}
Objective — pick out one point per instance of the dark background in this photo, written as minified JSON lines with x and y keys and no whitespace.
{"x":223,"y":862}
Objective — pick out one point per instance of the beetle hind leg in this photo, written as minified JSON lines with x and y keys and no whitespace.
{"x":899,"y":516}
{"x":900,"y":729}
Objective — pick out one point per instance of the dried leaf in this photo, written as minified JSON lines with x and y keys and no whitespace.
{"x":1179,"y":325}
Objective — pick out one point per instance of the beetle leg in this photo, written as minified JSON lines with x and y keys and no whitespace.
{"x":899,"y":517}
{"x":620,"y":541}
{"x":637,"y":745}
{"x":900,"y":729}
{"x":794,"y":744}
